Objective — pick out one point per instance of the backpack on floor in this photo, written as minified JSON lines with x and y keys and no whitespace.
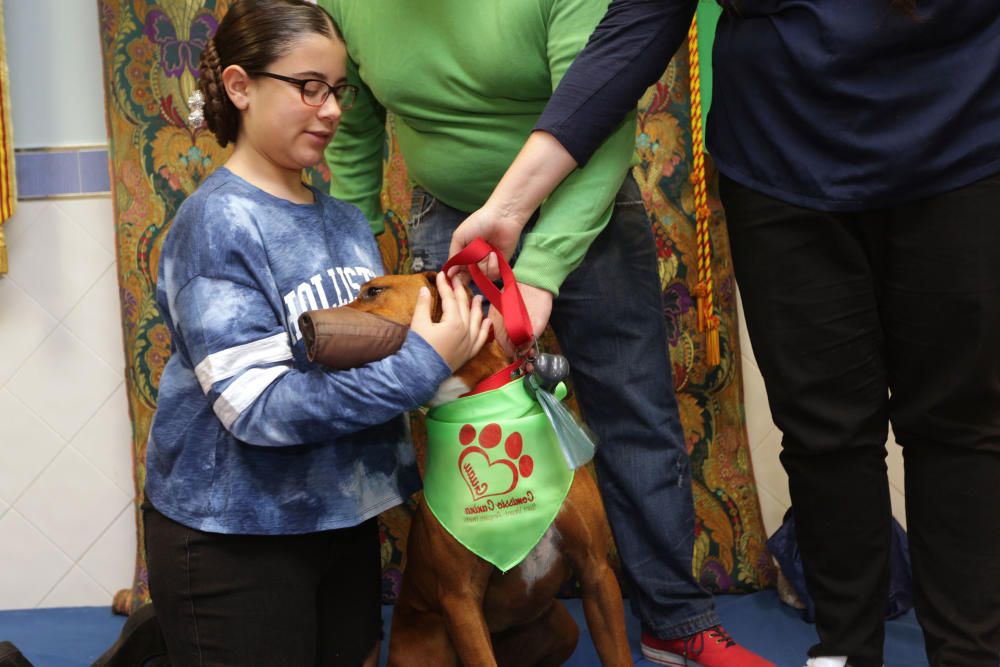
{"x":785,"y":550}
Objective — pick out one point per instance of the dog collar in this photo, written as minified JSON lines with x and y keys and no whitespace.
{"x":495,"y":476}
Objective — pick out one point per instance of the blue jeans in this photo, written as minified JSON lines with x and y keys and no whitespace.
{"x":609,"y":322}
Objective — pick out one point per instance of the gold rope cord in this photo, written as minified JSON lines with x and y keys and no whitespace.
{"x":703,"y":290}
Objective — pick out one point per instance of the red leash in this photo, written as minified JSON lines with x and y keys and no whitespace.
{"x":508,"y":301}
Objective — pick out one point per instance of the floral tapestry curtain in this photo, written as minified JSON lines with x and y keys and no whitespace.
{"x":150,"y":52}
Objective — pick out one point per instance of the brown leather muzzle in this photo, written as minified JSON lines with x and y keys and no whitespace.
{"x":345,"y":338}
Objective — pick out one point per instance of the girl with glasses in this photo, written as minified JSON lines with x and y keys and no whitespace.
{"x":264,"y":471}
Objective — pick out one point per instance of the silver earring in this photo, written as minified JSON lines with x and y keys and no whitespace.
{"x":196,"y":104}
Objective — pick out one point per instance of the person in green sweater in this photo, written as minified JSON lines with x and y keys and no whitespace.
{"x":466,"y":83}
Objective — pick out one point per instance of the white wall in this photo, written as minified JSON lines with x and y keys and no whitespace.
{"x":54,"y":58}
{"x":66,"y":522}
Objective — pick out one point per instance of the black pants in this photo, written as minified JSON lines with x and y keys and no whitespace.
{"x":246,"y":600}
{"x":859,"y":320}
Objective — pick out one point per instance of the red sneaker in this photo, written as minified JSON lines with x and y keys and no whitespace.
{"x":708,"y":648}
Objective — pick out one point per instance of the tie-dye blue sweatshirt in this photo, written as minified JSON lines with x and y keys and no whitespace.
{"x":248,"y":436}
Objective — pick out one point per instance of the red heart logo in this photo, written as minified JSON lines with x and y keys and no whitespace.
{"x":485,"y":477}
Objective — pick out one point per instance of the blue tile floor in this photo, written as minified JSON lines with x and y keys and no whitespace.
{"x":75,"y":636}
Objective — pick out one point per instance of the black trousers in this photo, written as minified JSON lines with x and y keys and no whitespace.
{"x":248,"y":600}
{"x":859,"y":320}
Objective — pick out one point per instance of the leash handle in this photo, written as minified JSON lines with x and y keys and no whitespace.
{"x":508,"y":301}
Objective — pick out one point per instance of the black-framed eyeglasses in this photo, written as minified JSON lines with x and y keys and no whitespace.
{"x":315,"y":93}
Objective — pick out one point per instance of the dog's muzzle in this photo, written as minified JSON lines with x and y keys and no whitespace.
{"x":344,"y":338}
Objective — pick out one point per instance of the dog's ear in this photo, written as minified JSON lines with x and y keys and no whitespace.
{"x":436,"y":311}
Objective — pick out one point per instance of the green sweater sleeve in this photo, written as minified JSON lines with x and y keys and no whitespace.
{"x":576,"y":211}
{"x":355,"y":154}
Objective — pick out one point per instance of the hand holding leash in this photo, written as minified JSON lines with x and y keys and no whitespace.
{"x":508,"y":301}
{"x":538,"y":304}
{"x":497,"y":225}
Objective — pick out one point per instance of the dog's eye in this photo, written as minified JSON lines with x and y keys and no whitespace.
{"x":372,"y":292}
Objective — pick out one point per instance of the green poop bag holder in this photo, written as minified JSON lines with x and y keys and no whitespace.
{"x":501,"y":459}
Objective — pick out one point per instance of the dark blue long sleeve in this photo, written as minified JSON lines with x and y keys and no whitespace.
{"x":826,"y":105}
{"x":627,"y":53}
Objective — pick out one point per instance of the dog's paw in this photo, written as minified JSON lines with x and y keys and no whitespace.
{"x":490,"y":436}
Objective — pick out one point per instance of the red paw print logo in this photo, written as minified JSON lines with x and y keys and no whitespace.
{"x":486,"y":476}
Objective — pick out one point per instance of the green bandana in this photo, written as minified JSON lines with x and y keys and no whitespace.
{"x":495,"y":476}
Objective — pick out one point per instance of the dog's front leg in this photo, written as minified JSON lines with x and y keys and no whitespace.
{"x":462,"y":603}
{"x":605,"y":614}
{"x":444,"y":577}
{"x":583,"y":524}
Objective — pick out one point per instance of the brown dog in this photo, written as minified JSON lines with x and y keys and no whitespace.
{"x":456,"y":608}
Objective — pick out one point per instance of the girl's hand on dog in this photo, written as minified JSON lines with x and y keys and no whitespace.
{"x":462,"y":330}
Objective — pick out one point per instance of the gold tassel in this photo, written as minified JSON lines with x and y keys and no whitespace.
{"x":700,"y":294}
{"x":712,"y":353}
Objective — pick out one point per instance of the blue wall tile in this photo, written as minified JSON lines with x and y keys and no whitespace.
{"x":45,"y":174}
{"x":94,"y":175}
